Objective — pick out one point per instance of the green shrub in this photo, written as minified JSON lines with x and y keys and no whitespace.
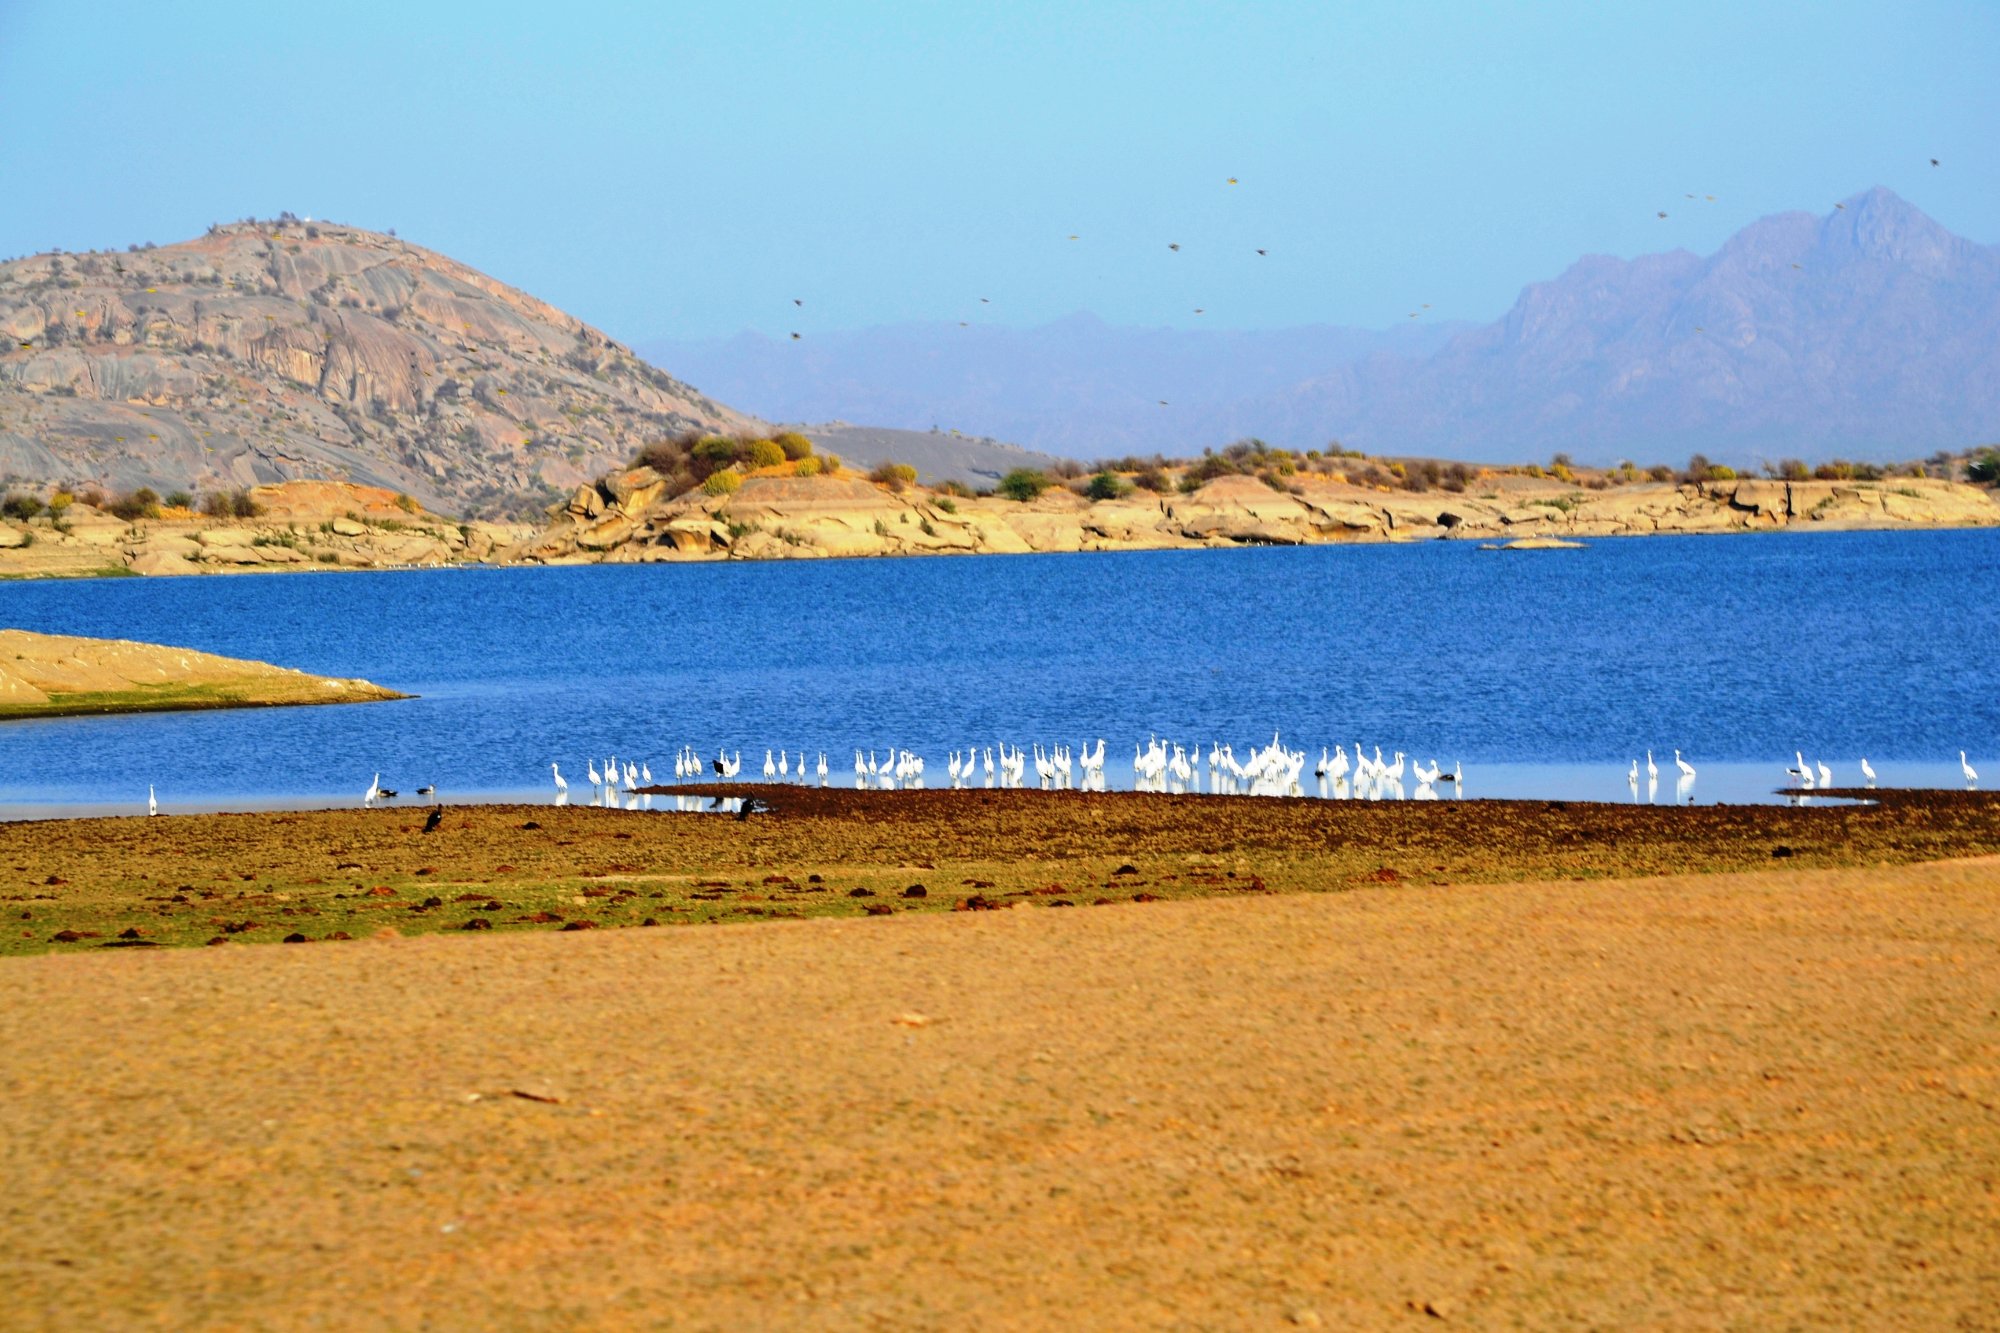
{"x":795,"y":445}
{"x":1153,"y":479}
{"x":142,"y":503}
{"x":722,"y":483}
{"x":20,"y":506}
{"x":59,"y":503}
{"x":1107,"y":486}
{"x":1984,"y":468}
{"x":947,"y":504}
{"x":179,"y":500}
{"x":765,"y":453}
{"x":829,"y":464}
{"x":955,"y":487}
{"x":806,"y":467}
{"x":407,"y":503}
{"x":716,"y":450}
{"x":1023,"y":484}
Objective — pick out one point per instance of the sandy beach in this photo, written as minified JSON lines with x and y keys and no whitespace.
{"x":1750,"y":1098}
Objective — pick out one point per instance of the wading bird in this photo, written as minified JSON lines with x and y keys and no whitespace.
{"x":562,"y":787}
{"x":1867,"y":771}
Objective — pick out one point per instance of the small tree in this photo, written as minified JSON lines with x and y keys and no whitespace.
{"x":20,"y":506}
{"x":795,"y":445}
{"x":407,"y":502}
{"x":1107,"y":486}
{"x":179,"y":500}
{"x":1023,"y":484}
{"x":1984,"y":467}
{"x":766,"y":453}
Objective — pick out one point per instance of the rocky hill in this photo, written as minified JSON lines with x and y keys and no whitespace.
{"x":271,"y":351}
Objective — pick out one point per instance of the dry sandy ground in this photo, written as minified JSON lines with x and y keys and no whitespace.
{"x":1753,"y":1100}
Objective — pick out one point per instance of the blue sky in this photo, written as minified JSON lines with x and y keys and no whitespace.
{"x":688,"y":170}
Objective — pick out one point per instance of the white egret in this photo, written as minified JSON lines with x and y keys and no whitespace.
{"x":152,"y":801}
{"x":596,"y":779}
{"x":1633,"y":776}
{"x":374,"y":790}
{"x":1652,"y":769}
{"x":1971,"y":773}
{"x":562,"y":787}
{"x":1687,"y":769}
{"x":770,"y":766}
{"x":1867,"y":771}
{"x":1825,"y":774}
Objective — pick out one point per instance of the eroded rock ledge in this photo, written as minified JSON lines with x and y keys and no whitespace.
{"x":627,"y":516}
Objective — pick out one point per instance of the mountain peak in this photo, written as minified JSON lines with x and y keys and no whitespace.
{"x":1880,"y":224}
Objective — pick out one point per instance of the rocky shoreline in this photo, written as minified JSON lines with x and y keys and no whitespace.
{"x":627,"y":517}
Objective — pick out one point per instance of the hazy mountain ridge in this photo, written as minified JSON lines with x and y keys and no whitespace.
{"x":270,"y":351}
{"x":1870,"y":331}
{"x":1076,"y":386}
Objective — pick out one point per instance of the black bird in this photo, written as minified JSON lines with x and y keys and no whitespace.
{"x":426,"y":791}
{"x":717,"y":765}
{"x":385,"y":792}
{"x":1262,"y":252}
{"x":797,"y":301}
{"x":753,"y":806}
{"x":1933,"y":163}
{"x":436,"y":818}
{"x":1173,"y":245}
{"x":795,"y":337}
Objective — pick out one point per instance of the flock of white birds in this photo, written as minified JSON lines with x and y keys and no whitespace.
{"x":1157,"y":765}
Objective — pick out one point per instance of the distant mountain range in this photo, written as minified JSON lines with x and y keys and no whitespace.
{"x":273,"y":351}
{"x":1869,"y":332}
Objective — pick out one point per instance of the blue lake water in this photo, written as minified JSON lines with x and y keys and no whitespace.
{"x":1544,"y":674}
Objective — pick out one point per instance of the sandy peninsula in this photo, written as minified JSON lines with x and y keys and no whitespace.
{"x":60,"y":675}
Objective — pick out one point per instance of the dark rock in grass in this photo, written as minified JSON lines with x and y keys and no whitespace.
{"x":1781,"y":850}
{"x":814,"y":879}
{"x":539,"y":918}
{"x":477,"y":923}
{"x":55,"y":879}
{"x":131,"y":933}
{"x":861,"y":893}
{"x":1060,"y":902}
{"x":72,"y":936}
{"x":340,"y":935}
{"x":878,"y":909}
{"x":1100,"y":902}
{"x":916,"y":891}
{"x":1145,"y":897}
{"x":650,"y":921}
{"x":531,"y":824}
{"x":1127,"y":869}
{"x":219,"y":939}
{"x":296,"y":938}
{"x":582,"y":923}
{"x":434,"y":902}
{"x":470,"y":898}
{"x":130,"y":944}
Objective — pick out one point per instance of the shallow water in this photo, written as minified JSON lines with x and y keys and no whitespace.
{"x":1543,"y":674}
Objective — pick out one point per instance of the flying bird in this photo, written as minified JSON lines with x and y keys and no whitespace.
{"x":1163,"y":402}
{"x":795,"y":337}
{"x":1840,"y":205}
{"x":1198,"y":310}
{"x":1933,"y":161}
{"x":1173,"y":245}
{"x":1262,"y":252}
{"x":1663,"y":215}
{"x":984,"y":301}
{"x":797,"y":301}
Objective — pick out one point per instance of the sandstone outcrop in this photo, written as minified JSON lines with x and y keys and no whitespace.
{"x":274,"y":351}
{"x":302,"y":526}
{"x":626,"y":517}
{"x":51,"y":675}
